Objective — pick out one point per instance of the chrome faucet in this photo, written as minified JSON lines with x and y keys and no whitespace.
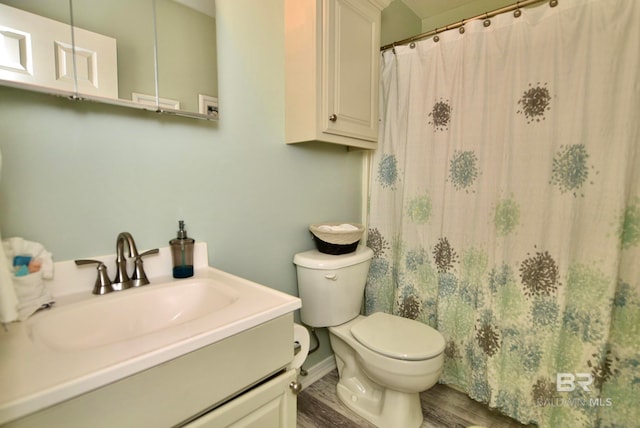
{"x":121,"y":281}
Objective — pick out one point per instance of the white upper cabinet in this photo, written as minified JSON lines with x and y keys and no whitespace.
{"x":37,"y":51}
{"x":331,"y":56}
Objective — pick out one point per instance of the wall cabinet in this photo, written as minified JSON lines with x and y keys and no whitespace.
{"x":332,"y":51}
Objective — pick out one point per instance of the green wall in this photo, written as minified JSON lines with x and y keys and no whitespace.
{"x":465,"y":11}
{"x":186,"y":54}
{"x":75,"y":174}
{"x":398,"y":22}
{"x":130,"y":22}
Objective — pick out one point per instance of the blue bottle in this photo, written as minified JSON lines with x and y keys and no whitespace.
{"x":182,"y":253}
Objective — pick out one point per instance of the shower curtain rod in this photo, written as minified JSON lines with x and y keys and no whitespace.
{"x":515,"y":7}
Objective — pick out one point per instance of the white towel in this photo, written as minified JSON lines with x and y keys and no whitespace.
{"x":31,"y":291}
{"x":19,"y":247}
{"x":8,"y":299}
{"x":346,"y":227}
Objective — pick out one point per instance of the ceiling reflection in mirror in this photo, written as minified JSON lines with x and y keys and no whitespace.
{"x":187,"y":63}
{"x":153,"y":54}
{"x":114,"y":48}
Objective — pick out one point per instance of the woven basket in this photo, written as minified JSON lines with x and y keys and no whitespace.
{"x":336,"y":242}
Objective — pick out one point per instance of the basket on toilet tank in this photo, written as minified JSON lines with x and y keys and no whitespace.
{"x":336,"y":238}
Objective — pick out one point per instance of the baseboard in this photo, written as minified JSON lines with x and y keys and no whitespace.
{"x":318,"y":371}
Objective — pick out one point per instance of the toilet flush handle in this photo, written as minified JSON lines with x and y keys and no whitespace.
{"x":331,"y":276}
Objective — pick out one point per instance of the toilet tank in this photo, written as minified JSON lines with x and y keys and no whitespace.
{"x":331,"y":287}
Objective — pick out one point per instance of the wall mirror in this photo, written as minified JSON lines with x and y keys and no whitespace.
{"x":153,"y":54}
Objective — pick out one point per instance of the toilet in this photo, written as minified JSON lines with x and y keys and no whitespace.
{"x":384,"y":361}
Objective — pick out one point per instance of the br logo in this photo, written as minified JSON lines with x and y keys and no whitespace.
{"x":566,"y":382}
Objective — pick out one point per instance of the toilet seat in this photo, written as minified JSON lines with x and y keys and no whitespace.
{"x":399,"y":338}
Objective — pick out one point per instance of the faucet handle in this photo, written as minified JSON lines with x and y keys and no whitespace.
{"x":148,"y":252}
{"x":139,"y":277}
{"x":103,"y":283}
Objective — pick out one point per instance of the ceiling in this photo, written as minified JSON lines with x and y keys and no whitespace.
{"x":204,"y":6}
{"x":428,"y":8}
{"x":422,"y":8}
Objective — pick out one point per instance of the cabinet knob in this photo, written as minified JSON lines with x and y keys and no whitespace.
{"x":296,"y":387}
{"x":333,"y":118}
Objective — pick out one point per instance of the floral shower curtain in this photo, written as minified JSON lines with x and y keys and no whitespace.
{"x":505,"y":208}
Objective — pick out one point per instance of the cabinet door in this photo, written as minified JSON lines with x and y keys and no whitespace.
{"x":270,"y":405}
{"x":350,"y":53}
{"x":38,"y":51}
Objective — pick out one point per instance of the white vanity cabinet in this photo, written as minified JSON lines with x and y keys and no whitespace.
{"x":270,"y":405}
{"x":331,"y":71}
{"x":241,"y":380}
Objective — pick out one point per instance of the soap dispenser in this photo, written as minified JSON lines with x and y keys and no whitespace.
{"x":182,"y":253}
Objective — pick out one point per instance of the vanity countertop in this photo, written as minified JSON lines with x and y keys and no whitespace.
{"x":35,"y":373}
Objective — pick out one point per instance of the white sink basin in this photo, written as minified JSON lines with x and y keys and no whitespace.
{"x":85,"y":342}
{"x":122,"y":316}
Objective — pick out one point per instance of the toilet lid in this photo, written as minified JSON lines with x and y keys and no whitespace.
{"x":398,"y":337}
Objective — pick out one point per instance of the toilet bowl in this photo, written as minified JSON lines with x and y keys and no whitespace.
{"x":385,"y":389}
{"x":384,"y":361}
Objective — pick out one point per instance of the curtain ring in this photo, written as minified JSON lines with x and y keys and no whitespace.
{"x":436,"y":38}
{"x":461,"y":29}
{"x":517,"y":13}
{"x":486,"y":21}
{"x":553,"y":3}
{"x":412,"y":45}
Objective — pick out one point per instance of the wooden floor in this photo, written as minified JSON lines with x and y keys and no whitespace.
{"x":442,"y":406}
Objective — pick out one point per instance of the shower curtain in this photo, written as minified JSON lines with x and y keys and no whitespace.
{"x":504,"y":208}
